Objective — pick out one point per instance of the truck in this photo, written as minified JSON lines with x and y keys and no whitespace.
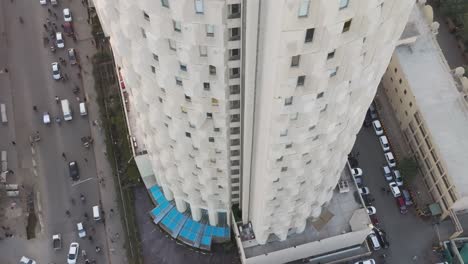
{"x":57,"y":241}
{"x":67,"y":114}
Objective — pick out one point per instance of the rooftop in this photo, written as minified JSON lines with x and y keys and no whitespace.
{"x":441,"y":105}
{"x":340,"y":217}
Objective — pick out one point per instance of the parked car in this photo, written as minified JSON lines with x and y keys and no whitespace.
{"x":43,"y":2}
{"x":384,"y":143}
{"x":401,"y":204}
{"x":364,"y":191}
{"x":377,"y":127}
{"x":387,"y":173}
{"x":356,"y":172}
{"x":68,"y":29}
{"x":373,"y":111}
{"x":371,"y":210}
{"x":56,"y":71}
{"x":398,"y":178}
{"x":373,"y":241}
{"x":359,"y":181}
{"x":395,"y":190}
{"x":72,"y":56}
{"x":73,"y":170}
{"x":382,"y":237}
{"x":367,"y":261}
{"x":67,"y":15}
{"x":407,"y":196}
{"x":390,"y":159}
{"x":374,"y":220}
{"x":26,"y":260}
{"x":73,"y":253}
{"x":81,"y":230}
{"x":46,"y":118}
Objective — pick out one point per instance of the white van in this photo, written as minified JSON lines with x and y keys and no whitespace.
{"x":96,"y":215}
{"x":374,"y":242}
{"x":67,"y":114}
{"x":83,"y":109}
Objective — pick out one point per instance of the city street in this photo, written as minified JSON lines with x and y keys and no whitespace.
{"x":42,"y":166}
{"x":411,"y":238}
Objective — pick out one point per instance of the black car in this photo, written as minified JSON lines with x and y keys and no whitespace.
{"x":382,"y":237}
{"x":73,"y":169}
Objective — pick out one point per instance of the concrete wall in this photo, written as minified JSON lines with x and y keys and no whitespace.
{"x":293,"y":174}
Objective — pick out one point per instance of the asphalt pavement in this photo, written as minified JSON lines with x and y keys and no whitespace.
{"x":29,"y":83}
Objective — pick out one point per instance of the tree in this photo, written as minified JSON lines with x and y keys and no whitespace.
{"x":408,"y":168}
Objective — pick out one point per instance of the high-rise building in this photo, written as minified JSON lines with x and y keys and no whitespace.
{"x":251,"y":103}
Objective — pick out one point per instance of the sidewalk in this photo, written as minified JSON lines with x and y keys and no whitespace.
{"x":115,"y":233}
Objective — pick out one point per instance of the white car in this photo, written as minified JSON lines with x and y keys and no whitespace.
{"x":43,"y":2}
{"x":73,"y":253}
{"x":356,"y":172}
{"x":81,"y":230}
{"x":371,"y":210}
{"x":367,"y":261}
{"x":46,"y":118}
{"x":377,"y":127}
{"x":59,"y":42}
{"x":395,"y":190}
{"x":398,"y":178}
{"x":364,"y":191}
{"x":56,"y":71}
{"x":67,"y":15}
{"x":390,"y":159}
{"x":25,"y":260}
{"x":384,"y":143}
{"x":387,"y":173}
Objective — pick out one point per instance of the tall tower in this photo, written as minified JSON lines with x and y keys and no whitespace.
{"x":256,"y":102}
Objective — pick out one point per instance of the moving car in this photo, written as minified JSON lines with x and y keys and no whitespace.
{"x":371,"y":210}
{"x":367,"y":261}
{"x":68,"y":28}
{"x":73,"y":253}
{"x":356,"y":172}
{"x":402,"y":205}
{"x":56,"y":71}
{"x":395,"y":190}
{"x":384,"y":143}
{"x":59,"y":42}
{"x":46,"y":118}
{"x":390,"y":159}
{"x":72,"y":56}
{"x":26,"y":260}
{"x":81,"y":230}
{"x":73,"y":169}
{"x":377,"y":127}
{"x":387,"y":173}
{"x":364,"y":191}
{"x":398,"y":178}
{"x":67,"y":15}
{"x":43,"y":2}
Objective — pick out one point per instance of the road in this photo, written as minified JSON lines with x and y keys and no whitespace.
{"x":411,"y":238}
{"x":30,"y":83}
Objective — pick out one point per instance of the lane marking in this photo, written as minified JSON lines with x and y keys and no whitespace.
{"x":80,"y":182}
{"x":34,"y":163}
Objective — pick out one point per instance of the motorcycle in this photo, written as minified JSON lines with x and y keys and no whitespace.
{"x":58,"y":120}
{"x":52,"y":48}
{"x":82,"y":198}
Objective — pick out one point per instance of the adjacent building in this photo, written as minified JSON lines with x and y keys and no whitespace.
{"x":251,"y":104}
{"x":431,"y":103}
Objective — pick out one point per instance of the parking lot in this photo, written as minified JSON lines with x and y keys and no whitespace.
{"x":411,"y":237}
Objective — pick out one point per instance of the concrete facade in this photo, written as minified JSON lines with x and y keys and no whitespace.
{"x":276,"y":90}
{"x":433,"y":112}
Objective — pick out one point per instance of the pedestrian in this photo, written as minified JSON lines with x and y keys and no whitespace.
{"x":64,"y":156}
{"x":85,"y":159}
{"x":11,"y":171}
{"x":87,"y":57}
{"x":79,"y":66}
{"x":55,"y":26}
{"x":55,"y":15}
{"x":13,"y":142}
{"x":5,"y":70}
{"x":62,"y":26}
{"x":45,"y":26}
{"x":48,"y":10}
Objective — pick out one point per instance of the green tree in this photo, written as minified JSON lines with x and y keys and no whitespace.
{"x":408,"y":168}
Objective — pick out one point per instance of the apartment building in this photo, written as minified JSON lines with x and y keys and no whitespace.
{"x":430,"y":102}
{"x":252,"y":104}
